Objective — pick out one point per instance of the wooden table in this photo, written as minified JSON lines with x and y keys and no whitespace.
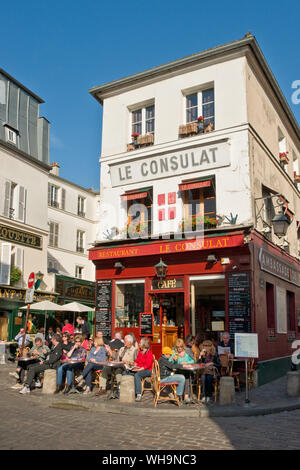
{"x":191,"y":369}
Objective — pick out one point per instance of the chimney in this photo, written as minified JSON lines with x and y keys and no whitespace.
{"x":55,"y":169}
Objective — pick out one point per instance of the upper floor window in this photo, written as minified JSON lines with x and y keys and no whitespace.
{"x":10,"y":135}
{"x":53,"y":195}
{"x":53,"y":234}
{"x":81,"y":206}
{"x":14,"y":202}
{"x":200,"y":104}
{"x":139,"y":213}
{"x":78,"y":272}
{"x":80,"y":241}
{"x":142,"y":127}
{"x":199,"y":199}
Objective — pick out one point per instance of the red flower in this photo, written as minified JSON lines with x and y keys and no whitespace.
{"x":135,"y":134}
{"x":200,"y":119}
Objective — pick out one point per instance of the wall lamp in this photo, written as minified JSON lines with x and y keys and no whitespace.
{"x":161,"y":269}
{"x":119,"y":265}
{"x":211,"y":259}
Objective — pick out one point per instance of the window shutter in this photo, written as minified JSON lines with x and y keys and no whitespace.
{"x":6,"y":199}
{"x":51,"y":234}
{"x":21,"y":208}
{"x":63,"y":198}
{"x":5,"y":264}
{"x":49,"y":194}
{"x":19,"y":258}
{"x":55,"y":234}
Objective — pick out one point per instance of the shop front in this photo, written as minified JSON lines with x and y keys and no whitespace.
{"x":206,"y":288}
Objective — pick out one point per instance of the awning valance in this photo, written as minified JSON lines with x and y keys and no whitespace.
{"x":129,"y":197}
{"x":195,"y":185}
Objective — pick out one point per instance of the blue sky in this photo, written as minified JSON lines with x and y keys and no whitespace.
{"x":61,"y":49}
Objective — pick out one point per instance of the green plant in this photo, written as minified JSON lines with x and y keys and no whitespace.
{"x":15,"y":274}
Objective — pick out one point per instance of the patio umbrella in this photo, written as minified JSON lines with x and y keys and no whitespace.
{"x":76,"y":307}
{"x":45,"y":306}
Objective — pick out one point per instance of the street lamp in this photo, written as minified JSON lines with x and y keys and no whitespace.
{"x":280,"y":224}
{"x":39,"y":277}
{"x":161,"y":269}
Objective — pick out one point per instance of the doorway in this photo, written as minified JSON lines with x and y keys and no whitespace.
{"x":168,"y":314}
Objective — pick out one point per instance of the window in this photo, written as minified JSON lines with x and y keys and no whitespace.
{"x":11,"y":135}
{"x":63,"y":198}
{"x":53,"y":234}
{"x":80,"y":241}
{"x":80,"y":206}
{"x":143,"y":120}
{"x":199,"y":205}
{"x":78,"y":272}
{"x":14,"y":201}
{"x":139,"y":213}
{"x":53,"y":195}
{"x":201,"y":103}
{"x":5,"y":264}
{"x":129,"y":303}
{"x":291,"y":311}
{"x":270,"y":298}
{"x":268,"y":212}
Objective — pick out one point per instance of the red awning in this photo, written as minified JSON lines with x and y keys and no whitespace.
{"x":128,"y":197}
{"x":195,"y":185}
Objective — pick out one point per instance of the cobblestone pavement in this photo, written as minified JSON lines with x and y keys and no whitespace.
{"x":32,"y":424}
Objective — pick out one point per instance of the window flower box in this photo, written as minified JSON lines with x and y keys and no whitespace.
{"x":284,"y":158}
{"x":192,"y":223}
{"x":146,"y":139}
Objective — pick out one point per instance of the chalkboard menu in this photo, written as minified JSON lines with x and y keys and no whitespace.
{"x":146,"y":324}
{"x":239,"y":303}
{"x":103,"y":307}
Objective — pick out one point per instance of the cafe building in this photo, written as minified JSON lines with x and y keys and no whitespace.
{"x":199,"y":215}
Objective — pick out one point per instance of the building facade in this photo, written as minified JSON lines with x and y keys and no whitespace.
{"x":199,"y":171}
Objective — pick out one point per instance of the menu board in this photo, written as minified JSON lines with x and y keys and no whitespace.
{"x":103,"y":307}
{"x":146,"y":324}
{"x":239,"y":303}
{"x":246,"y":345}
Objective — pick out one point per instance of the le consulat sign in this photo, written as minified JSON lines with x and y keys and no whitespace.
{"x":200,"y":158}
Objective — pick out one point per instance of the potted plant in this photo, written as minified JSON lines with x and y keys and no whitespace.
{"x":139,"y":229}
{"x":284,"y":157}
{"x":15,"y":275}
{"x":134,"y":136}
{"x":200,"y":124}
{"x":194,"y":222}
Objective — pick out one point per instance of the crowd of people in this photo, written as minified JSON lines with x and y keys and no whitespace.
{"x":68,"y":351}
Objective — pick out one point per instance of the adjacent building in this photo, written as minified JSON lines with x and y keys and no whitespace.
{"x":200,"y":204}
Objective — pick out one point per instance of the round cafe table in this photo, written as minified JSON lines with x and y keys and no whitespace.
{"x":73,"y":362}
{"x":190,"y":369}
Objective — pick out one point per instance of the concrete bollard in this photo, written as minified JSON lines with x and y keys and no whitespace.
{"x":227,"y":392}
{"x":49,"y":383}
{"x":293,"y":384}
{"x":127,"y":391}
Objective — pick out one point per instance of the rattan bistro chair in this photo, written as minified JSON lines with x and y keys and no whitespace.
{"x":159,"y":387}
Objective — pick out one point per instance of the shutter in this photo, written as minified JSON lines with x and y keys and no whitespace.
{"x":6,"y":199}
{"x":55,"y":234}
{"x":21,"y":207}
{"x":63,"y":198}
{"x":5,"y":264}
{"x":49,"y":194}
{"x":51,"y":234}
{"x":19,"y":258}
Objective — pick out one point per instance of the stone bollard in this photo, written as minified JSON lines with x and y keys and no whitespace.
{"x":127,"y":391}
{"x":293,"y":384}
{"x":227,"y":392}
{"x":49,"y":383}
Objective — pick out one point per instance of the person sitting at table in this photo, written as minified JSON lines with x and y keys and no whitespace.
{"x":127,"y":354}
{"x":52,"y":362}
{"x":49,"y":335}
{"x":188,"y":345}
{"x":41,"y":334}
{"x":116,"y":343}
{"x":85,"y":342}
{"x":38,"y":353}
{"x":98,"y":353}
{"x":134,"y":341}
{"x":181,"y":357}
{"x":209,"y":357}
{"x":226,"y":342}
{"x":68,"y":327}
{"x":91,"y":343}
{"x":67,"y":344}
{"x":20,"y":336}
{"x":76,"y":353}
{"x":99,"y":334}
{"x":143,"y":366}
{"x":166,"y":372}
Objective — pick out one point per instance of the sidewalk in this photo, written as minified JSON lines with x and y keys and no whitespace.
{"x":267,"y":399}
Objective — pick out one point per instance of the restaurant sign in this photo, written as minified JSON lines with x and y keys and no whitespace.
{"x":12,"y":235}
{"x":273,"y":265}
{"x":161,"y":248}
{"x":76,"y":291}
{"x":160,"y":284}
{"x":176,"y":163}
{"x":20,"y":295}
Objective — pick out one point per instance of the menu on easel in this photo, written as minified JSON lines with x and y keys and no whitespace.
{"x":146,"y":324}
{"x":103,"y":307}
{"x":239,"y":303}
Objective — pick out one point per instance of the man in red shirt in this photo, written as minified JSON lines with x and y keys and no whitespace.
{"x":68,"y":327}
{"x":143,"y":366}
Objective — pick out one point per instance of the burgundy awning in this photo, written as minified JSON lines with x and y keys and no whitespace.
{"x":194,"y":185}
{"x":129,"y":197}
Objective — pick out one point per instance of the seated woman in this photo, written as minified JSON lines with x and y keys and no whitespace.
{"x":77,"y":352}
{"x":98,"y":353}
{"x":181,"y":357}
{"x":143,"y":366}
{"x":208,"y":357}
{"x":67,"y":344}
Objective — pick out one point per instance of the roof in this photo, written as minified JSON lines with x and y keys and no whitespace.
{"x":20,"y":85}
{"x":249,"y":41}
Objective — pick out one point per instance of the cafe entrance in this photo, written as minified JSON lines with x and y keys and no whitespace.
{"x":168,"y":316}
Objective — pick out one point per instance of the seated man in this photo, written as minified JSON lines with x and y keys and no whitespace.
{"x":127,"y":354}
{"x":166,"y":368}
{"x":77,"y":352}
{"x":116,"y":344}
{"x":39,"y":353}
{"x":20,"y":336}
{"x":52,"y":362}
{"x":226,"y":343}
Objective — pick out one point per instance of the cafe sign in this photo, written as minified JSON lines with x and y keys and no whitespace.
{"x":273,"y":265}
{"x":12,"y":235}
{"x":161,"y":284}
{"x":204,"y":157}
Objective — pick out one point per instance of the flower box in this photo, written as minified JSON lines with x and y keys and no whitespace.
{"x":284,"y":158}
{"x":195,"y":222}
{"x":147,"y":139}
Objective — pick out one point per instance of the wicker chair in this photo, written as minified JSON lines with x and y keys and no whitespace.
{"x":159,"y":387}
